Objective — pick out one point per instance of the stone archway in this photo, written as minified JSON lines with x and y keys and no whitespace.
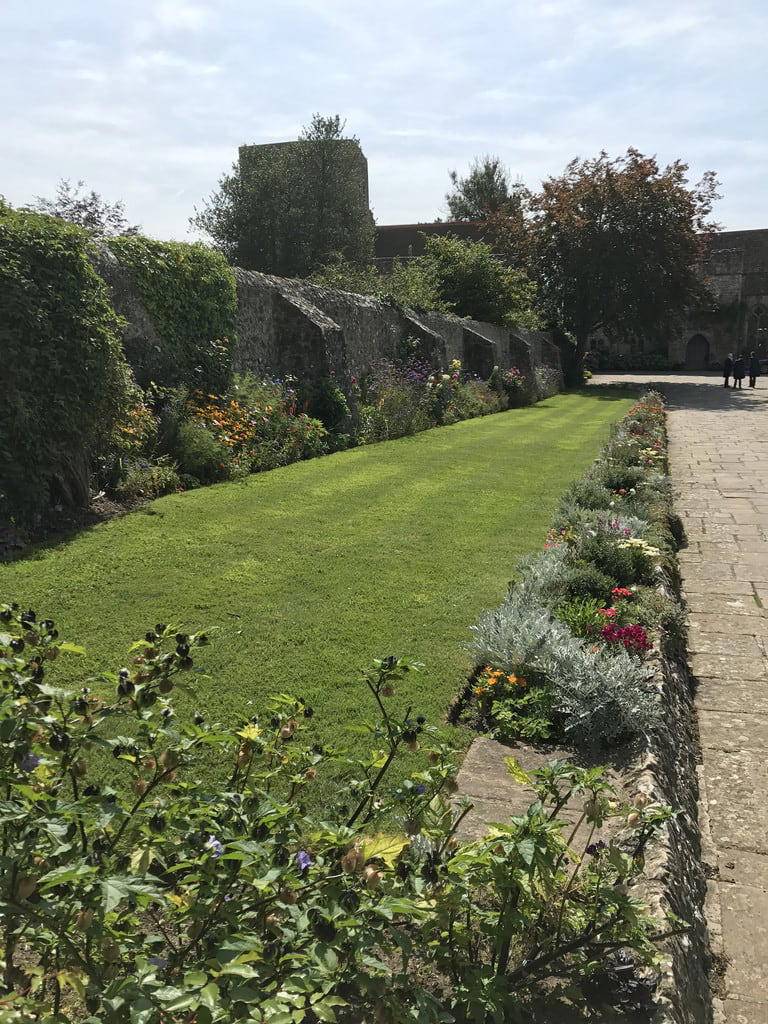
{"x":697,"y":353}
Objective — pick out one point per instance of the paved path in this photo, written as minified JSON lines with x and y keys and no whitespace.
{"x":719,"y":465}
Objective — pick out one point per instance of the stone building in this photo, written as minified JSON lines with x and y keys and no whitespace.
{"x":736,"y":269}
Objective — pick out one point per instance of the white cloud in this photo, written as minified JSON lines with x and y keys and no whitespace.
{"x":149,"y":101}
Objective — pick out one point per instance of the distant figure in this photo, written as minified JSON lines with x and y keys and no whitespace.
{"x":754,"y":369}
{"x":738,"y":371}
{"x":727,"y":369}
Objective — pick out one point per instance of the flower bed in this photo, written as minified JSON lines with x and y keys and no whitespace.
{"x":576,"y":623}
{"x":595,"y":628}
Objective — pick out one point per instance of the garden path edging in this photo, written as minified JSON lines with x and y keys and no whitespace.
{"x":674,"y":878}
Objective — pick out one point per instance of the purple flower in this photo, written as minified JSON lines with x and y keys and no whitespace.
{"x":29,"y":762}
{"x":594,"y":849}
{"x":214,"y":846}
{"x":421,"y":788}
{"x":157,"y":961}
{"x":303,"y":861}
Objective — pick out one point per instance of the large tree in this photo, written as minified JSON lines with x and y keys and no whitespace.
{"x":286,"y":208}
{"x":88,"y":210}
{"x":615,"y":246}
{"x":485,"y":190}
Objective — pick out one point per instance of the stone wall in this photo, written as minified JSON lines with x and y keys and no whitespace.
{"x":287,"y":326}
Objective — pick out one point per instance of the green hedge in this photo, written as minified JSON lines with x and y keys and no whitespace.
{"x":64,"y":377}
{"x":190,"y":293}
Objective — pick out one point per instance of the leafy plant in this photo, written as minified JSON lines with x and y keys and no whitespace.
{"x":200,"y":454}
{"x":146,"y":480}
{"x":189,"y":291}
{"x":150,"y":895}
{"x":65,"y":380}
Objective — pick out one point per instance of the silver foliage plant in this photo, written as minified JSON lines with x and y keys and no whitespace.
{"x":602,"y":696}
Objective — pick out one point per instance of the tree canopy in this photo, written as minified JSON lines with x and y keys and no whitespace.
{"x":485,"y":190}
{"x":87,"y":210}
{"x":286,"y":208}
{"x":615,"y":245}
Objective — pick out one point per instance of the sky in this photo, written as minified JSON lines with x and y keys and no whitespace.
{"x":148,"y":100}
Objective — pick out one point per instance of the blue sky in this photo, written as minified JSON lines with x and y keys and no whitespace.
{"x":148,"y":100}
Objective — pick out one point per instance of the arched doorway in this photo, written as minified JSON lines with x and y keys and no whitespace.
{"x":697,"y":353}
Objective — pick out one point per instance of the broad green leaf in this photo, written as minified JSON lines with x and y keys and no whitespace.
{"x":386,"y":848}
{"x":71,"y":648}
{"x":65,"y":874}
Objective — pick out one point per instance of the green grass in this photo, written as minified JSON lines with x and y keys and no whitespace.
{"x":307,"y":573}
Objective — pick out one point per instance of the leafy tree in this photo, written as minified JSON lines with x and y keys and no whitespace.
{"x":285,"y":209}
{"x":615,"y":245}
{"x":474,"y":283}
{"x":88,"y":210}
{"x":485,"y":190}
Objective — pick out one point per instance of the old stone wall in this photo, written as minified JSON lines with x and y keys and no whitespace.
{"x":287,"y":326}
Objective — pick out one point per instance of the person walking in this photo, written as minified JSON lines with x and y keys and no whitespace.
{"x":727,"y":369}
{"x":738,"y":372}
{"x":754,"y":369}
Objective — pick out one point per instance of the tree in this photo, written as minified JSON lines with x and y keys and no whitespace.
{"x":615,"y":245}
{"x":286,"y":208}
{"x":88,"y":210}
{"x":485,"y":190}
{"x":471,"y":281}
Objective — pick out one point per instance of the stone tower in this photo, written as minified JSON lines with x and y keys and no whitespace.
{"x":355,"y":156}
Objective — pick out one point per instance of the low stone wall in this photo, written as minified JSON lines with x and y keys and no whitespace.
{"x":287,"y":326}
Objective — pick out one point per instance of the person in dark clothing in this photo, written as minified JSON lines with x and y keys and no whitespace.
{"x":754,"y":369}
{"x":738,"y":371}
{"x":727,"y":368}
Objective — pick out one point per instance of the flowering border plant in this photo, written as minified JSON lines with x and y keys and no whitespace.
{"x":131,"y":895}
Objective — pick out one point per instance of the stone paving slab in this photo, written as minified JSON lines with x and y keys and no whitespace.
{"x":734,"y":695}
{"x":719,"y":464}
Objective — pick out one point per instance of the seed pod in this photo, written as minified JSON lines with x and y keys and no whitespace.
{"x":387,"y":690}
{"x":590,"y":807}
{"x":139,"y":786}
{"x":169,"y":759}
{"x":83,"y":919}
{"x":634,"y":819}
{"x":412,"y":745}
{"x":371,"y":876}
{"x":110,"y":951}
{"x":353,"y":861}
{"x":52,"y":653}
{"x":272,"y":921}
{"x":80,"y":767}
{"x":310,"y":773}
{"x":640,"y":800}
{"x":165,"y":686}
{"x":434,"y":757}
{"x":25,"y":886}
{"x":288,"y":896}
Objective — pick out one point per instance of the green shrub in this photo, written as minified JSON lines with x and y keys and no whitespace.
{"x":65,"y":382}
{"x":587,"y":581}
{"x":623,"y":565}
{"x":588,"y":493}
{"x":146,"y":897}
{"x":657,"y":612}
{"x":189,"y":291}
{"x":200,"y":454}
{"x":322,"y":399}
{"x":617,"y":477}
{"x":582,"y":615}
{"x":146,"y":480}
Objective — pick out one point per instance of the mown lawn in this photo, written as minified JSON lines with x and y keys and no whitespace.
{"x":304,"y":574}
